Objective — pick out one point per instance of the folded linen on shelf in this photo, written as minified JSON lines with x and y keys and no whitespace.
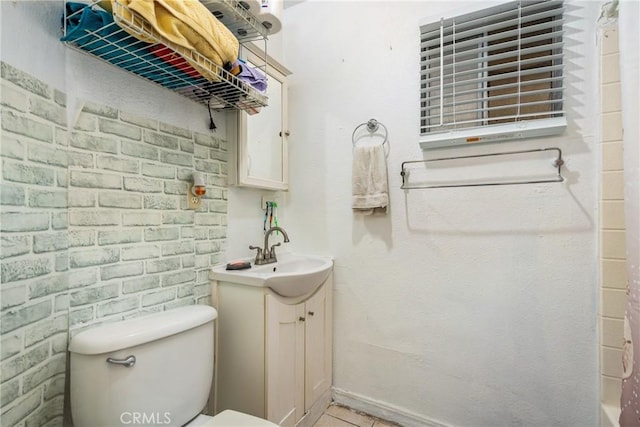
{"x":248,"y":74}
{"x":370,"y":189}
{"x":171,"y":57}
{"x":185,"y":24}
{"x":94,"y":30}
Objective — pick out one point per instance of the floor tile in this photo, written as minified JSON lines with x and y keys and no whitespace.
{"x":327,"y":420}
{"x":351,"y":416}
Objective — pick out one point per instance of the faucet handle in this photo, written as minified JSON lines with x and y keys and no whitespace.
{"x":259,"y":253}
{"x":272,"y":250}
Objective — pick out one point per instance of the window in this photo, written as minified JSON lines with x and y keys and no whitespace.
{"x":492,"y":75}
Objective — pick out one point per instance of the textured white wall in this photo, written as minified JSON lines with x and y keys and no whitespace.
{"x":469,"y":306}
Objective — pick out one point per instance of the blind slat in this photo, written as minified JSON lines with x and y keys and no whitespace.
{"x":466,"y":64}
{"x":552,"y":81}
{"x":461,"y":34}
{"x":510,"y":107}
{"x":479,"y":18}
{"x":458,"y":103}
{"x":475,"y":47}
{"x":522,"y":117}
{"x":470,"y":47}
{"x":480,"y":121}
{"x":490,"y":78}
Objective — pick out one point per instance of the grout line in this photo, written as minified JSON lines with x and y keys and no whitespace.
{"x":332,"y":416}
{"x":611,"y":377}
{"x":611,"y":348}
{"x":611,"y":317}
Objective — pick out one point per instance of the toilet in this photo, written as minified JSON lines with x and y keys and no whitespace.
{"x":154,"y":370}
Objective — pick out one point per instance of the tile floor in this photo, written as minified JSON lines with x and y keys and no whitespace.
{"x":341,"y":416}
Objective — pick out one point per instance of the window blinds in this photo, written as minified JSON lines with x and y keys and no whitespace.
{"x":499,"y":65}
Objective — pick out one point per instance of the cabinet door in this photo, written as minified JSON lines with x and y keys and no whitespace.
{"x":285,"y":362}
{"x":318,"y":345}
{"x":262,"y":149}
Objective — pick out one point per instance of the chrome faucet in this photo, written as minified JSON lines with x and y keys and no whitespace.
{"x":267,"y":255}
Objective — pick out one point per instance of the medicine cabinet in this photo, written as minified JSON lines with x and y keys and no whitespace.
{"x":261,"y":148}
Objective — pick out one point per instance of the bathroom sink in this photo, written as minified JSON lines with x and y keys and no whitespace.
{"x":291,"y":276}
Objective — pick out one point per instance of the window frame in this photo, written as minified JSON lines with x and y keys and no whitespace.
{"x":484,"y":25}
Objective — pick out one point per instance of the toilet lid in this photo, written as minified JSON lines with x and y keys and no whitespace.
{"x":229,"y":418}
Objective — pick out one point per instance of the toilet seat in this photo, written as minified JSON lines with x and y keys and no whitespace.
{"x":229,"y":418}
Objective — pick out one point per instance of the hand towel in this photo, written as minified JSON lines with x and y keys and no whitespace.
{"x":369,"y":179}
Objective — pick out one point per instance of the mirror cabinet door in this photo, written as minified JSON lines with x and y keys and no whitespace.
{"x":262,"y":140}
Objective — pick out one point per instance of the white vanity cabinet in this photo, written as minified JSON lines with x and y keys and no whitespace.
{"x":274,"y":353}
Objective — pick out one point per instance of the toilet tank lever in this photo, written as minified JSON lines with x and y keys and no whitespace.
{"x":127,"y":363}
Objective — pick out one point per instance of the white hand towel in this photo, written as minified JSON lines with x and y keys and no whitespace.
{"x":369,"y":179}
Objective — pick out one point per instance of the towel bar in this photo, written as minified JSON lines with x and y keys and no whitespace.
{"x":558,"y":162}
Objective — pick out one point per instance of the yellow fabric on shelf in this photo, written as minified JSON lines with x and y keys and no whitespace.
{"x":106,"y":5}
{"x":186,"y":24}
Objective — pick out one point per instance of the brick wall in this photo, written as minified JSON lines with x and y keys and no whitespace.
{"x":133,"y":245}
{"x":33,"y":251}
{"x":94,"y":229}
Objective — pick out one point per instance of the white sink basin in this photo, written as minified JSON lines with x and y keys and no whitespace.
{"x":291,"y":276}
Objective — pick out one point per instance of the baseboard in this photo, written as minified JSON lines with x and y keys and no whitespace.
{"x":383,"y":410}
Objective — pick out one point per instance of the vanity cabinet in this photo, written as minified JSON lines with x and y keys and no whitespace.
{"x":298,"y":356}
{"x":259,"y":158}
{"x":274,"y":353}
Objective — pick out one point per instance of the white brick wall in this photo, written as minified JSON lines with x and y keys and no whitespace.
{"x":132,"y":232}
{"x":33,"y":251}
{"x":94,"y":229}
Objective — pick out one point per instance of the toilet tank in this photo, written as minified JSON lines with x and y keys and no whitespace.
{"x":169,"y":382}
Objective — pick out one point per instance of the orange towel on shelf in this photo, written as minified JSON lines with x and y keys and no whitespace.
{"x":184,"y":26}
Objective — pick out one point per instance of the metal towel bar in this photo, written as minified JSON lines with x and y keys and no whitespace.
{"x":558,"y":162}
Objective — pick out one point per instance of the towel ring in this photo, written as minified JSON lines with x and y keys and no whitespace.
{"x":372,"y":126}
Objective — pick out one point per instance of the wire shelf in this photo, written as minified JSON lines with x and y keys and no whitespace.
{"x":163,"y":63}
{"x":237,"y":19}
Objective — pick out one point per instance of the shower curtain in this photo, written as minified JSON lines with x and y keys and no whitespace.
{"x":628,"y":18}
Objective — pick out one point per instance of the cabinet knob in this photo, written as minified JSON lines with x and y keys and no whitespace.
{"x":301,"y":319}
{"x":310,"y":313}
{"x":286,"y":133}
